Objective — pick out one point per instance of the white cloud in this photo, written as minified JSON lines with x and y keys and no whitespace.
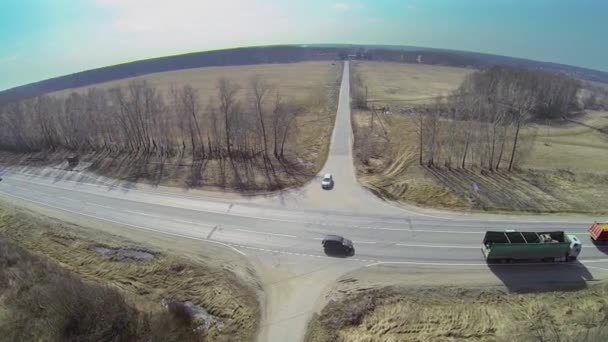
{"x":341,"y":6}
{"x":193,"y":24}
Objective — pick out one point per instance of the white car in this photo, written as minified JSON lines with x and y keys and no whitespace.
{"x":328,"y":181}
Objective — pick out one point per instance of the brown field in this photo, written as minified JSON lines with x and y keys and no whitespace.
{"x":463,"y":314}
{"x":411,"y":83}
{"x":160,"y":275}
{"x":563,"y":166}
{"x":299,"y":81}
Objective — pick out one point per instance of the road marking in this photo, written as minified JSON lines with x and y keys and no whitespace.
{"x":582,"y":262}
{"x":424,"y":231}
{"x":160,"y":217}
{"x":211,"y":199}
{"x":592,"y":260}
{"x":436,"y":246}
{"x":129,"y":225}
{"x":232,"y":246}
{"x":364,"y":242}
{"x":389,"y":262}
{"x":597,"y":268}
{"x":421,"y":263}
{"x":99,"y":205}
{"x":190,"y":222}
{"x":142,"y":214}
{"x":273,"y":234}
{"x":69,"y":199}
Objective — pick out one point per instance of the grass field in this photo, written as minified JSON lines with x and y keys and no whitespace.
{"x":464,"y":314}
{"x":145,"y":275}
{"x":564,"y":167}
{"x":412,"y":83}
{"x":571,"y":146}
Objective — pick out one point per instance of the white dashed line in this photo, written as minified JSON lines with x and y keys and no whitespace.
{"x":273,"y":234}
{"x":142,"y":214}
{"x":69,"y":199}
{"x":436,"y":246}
{"x":99,"y":205}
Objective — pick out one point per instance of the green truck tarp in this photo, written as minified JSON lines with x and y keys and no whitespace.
{"x":525,"y":245}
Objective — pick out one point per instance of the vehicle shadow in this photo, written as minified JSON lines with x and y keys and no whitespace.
{"x":542,"y":277}
{"x":601,"y":246}
{"x":330,"y":187}
{"x":336,"y":254}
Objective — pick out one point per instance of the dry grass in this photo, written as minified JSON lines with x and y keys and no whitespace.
{"x":42,"y":300}
{"x":392,"y":171}
{"x":571,"y":146}
{"x":145,"y":284}
{"x":564,"y":168}
{"x":465,"y":314}
{"x":389,"y":82}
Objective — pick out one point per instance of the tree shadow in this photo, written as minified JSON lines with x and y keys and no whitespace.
{"x":542,"y":277}
{"x":195,"y":178}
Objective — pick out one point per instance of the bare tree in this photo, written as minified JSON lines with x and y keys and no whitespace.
{"x":421,"y":126}
{"x":227,"y":91}
{"x":187,"y":108}
{"x":284,"y":115}
{"x":259,"y":92}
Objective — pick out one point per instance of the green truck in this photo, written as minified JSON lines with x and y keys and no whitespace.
{"x":512,"y":245}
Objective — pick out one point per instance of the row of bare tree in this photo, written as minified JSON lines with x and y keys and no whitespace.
{"x":359,"y":91}
{"x":480,"y":123}
{"x":595,"y":97}
{"x":141,"y":118}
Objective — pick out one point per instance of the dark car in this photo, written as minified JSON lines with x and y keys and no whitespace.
{"x":337,"y":245}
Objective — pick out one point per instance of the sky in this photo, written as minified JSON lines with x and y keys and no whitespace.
{"x":40,"y":39}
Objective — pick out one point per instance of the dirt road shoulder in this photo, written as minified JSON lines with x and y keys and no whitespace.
{"x":461,"y":305}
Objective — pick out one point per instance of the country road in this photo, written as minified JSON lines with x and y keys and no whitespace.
{"x":289,"y":225}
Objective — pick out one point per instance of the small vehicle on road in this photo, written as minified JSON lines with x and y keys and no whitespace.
{"x":338,"y":245}
{"x":327,"y":182}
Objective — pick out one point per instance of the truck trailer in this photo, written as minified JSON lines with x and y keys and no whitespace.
{"x":599,"y":232}
{"x":512,"y":245}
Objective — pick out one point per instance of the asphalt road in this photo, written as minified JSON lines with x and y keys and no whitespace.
{"x":293,"y":222}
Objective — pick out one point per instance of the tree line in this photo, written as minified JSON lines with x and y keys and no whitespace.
{"x":359,"y":92}
{"x":140,"y":118}
{"x":595,"y":97}
{"x":480,"y":123}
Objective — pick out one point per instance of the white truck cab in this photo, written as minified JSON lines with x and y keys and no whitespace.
{"x":575,"y":247}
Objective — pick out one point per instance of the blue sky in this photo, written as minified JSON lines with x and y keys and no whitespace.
{"x":41,"y":39}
